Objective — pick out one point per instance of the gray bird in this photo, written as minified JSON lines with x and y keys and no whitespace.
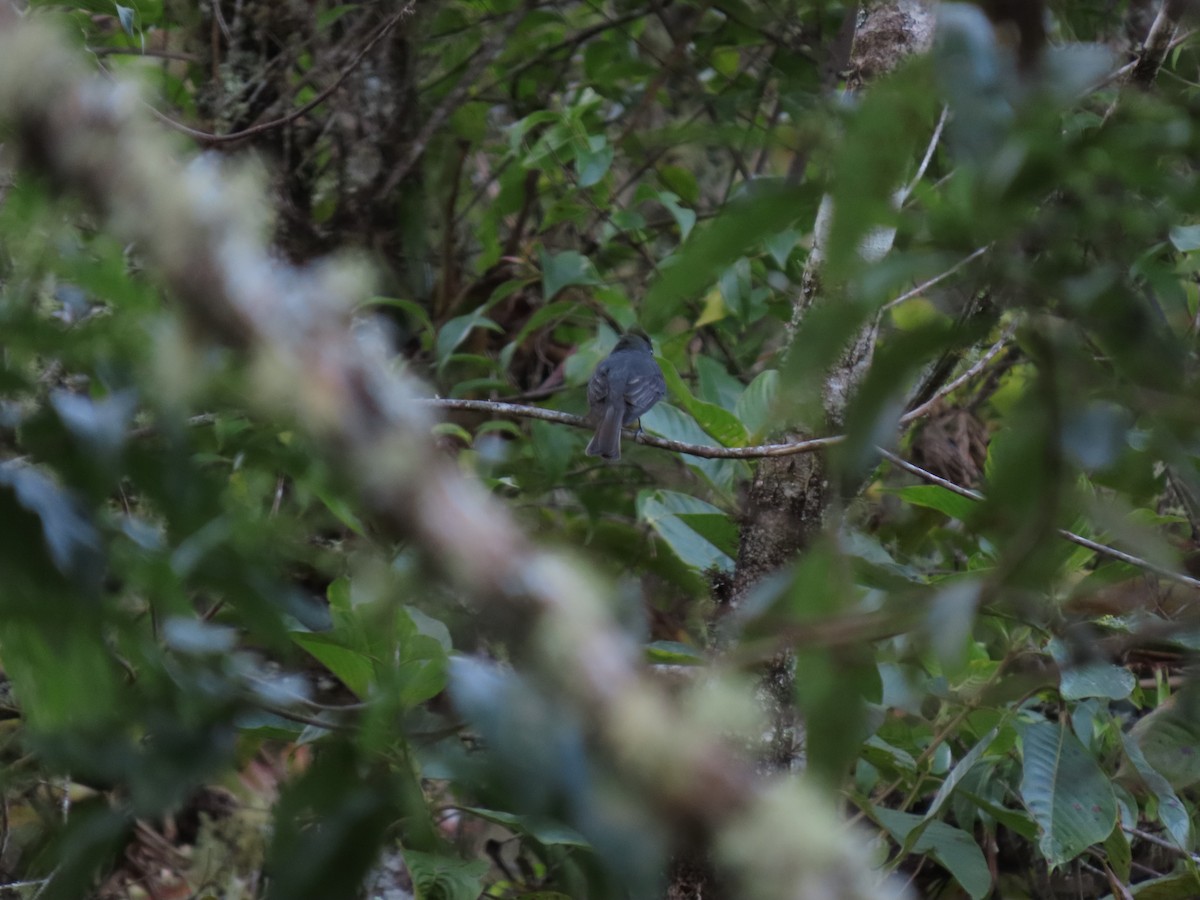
{"x":624,"y":386}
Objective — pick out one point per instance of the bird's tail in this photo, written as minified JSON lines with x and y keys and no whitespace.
{"x":606,"y":442}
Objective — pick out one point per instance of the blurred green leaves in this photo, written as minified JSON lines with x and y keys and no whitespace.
{"x":187,"y":582}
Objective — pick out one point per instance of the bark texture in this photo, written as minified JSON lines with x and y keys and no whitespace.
{"x":789,"y":500}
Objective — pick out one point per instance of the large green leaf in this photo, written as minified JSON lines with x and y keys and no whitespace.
{"x":1090,"y":678}
{"x":936,"y":497}
{"x":439,"y":877}
{"x":456,"y":330}
{"x":561,"y":270}
{"x":717,"y":422}
{"x":351,"y":666}
{"x":1069,"y":796}
{"x":960,"y":770}
{"x":757,"y":403}
{"x":1183,"y":885}
{"x":1171,"y":811}
{"x":950,"y":847}
{"x":662,"y":511}
{"x":674,"y":424}
{"x":1169,"y":737}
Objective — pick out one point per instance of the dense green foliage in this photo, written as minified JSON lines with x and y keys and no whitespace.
{"x":198,"y":604}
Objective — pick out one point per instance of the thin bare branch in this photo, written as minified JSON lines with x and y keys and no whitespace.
{"x":205,"y":137}
{"x":933,"y":142}
{"x":1157,"y":45}
{"x":918,"y":412}
{"x":1159,"y":842}
{"x":702,"y":450}
{"x":1096,"y":546}
{"x":937,"y":279}
{"x":482,"y":58}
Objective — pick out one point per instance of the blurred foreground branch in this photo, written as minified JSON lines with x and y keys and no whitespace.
{"x":91,"y":138}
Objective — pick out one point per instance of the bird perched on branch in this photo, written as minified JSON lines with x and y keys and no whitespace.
{"x":624,"y":386}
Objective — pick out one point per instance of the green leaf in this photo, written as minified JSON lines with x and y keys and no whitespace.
{"x":102,"y":426}
{"x":780,"y":245}
{"x":415,"y":311}
{"x":736,"y":288}
{"x":593,"y":160}
{"x":352,"y":667}
{"x":682,"y":181}
{"x":883,"y":755}
{"x":545,"y":831}
{"x":126,"y":16}
{"x":328,"y":826}
{"x":684,"y":217}
{"x":934,"y":496}
{"x":661,"y":510}
{"x":716,"y":422}
{"x":675,"y":425}
{"x":950,"y":619}
{"x":739,"y":227}
{"x":960,"y":770}
{"x":551,"y":312}
{"x":1065,"y":790}
{"x":343,"y":511}
{"x":1183,"y":885}
{"x":92,"y":838}
{"x":756,"y":404}
{"x":31,"y":504}
{"x":718,"y":529}
{"x":66,"y":681}
{"x":1169,"y":736}
{"x":1015,"y":821}
{"x":952,"y":848}
{"x":438,"y":877}
{"x":456,"y":330}
{"x":674,"y":653}
{"x":561,"y":270}
{"x":1185,"y":238}
{"x":1171,"y":811}
{"x":1079,"y":680}
{"x":1118,"y":853}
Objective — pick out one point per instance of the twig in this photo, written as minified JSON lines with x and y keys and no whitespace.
{"x":301,"y":719}
{"x":209,"y":138}
{"x":918,"y":412}
{"x":483,"y":56}
{"x":219,"y":15}
{"x":145,"y":431}
{"x":136,"y":51}
{"x":1159,"y":842}
{"x":1117,"y":74}
{"x":933,"y":142}
{"x":924,"y":286}
{"x":1158,"y":42}
{"x":701,"y":450}
{"x":16,"y":885}
{"x":1071,"y":536}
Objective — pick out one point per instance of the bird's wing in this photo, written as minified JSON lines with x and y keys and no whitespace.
{"x":641,"y":393}
{"x":597,"y":388}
